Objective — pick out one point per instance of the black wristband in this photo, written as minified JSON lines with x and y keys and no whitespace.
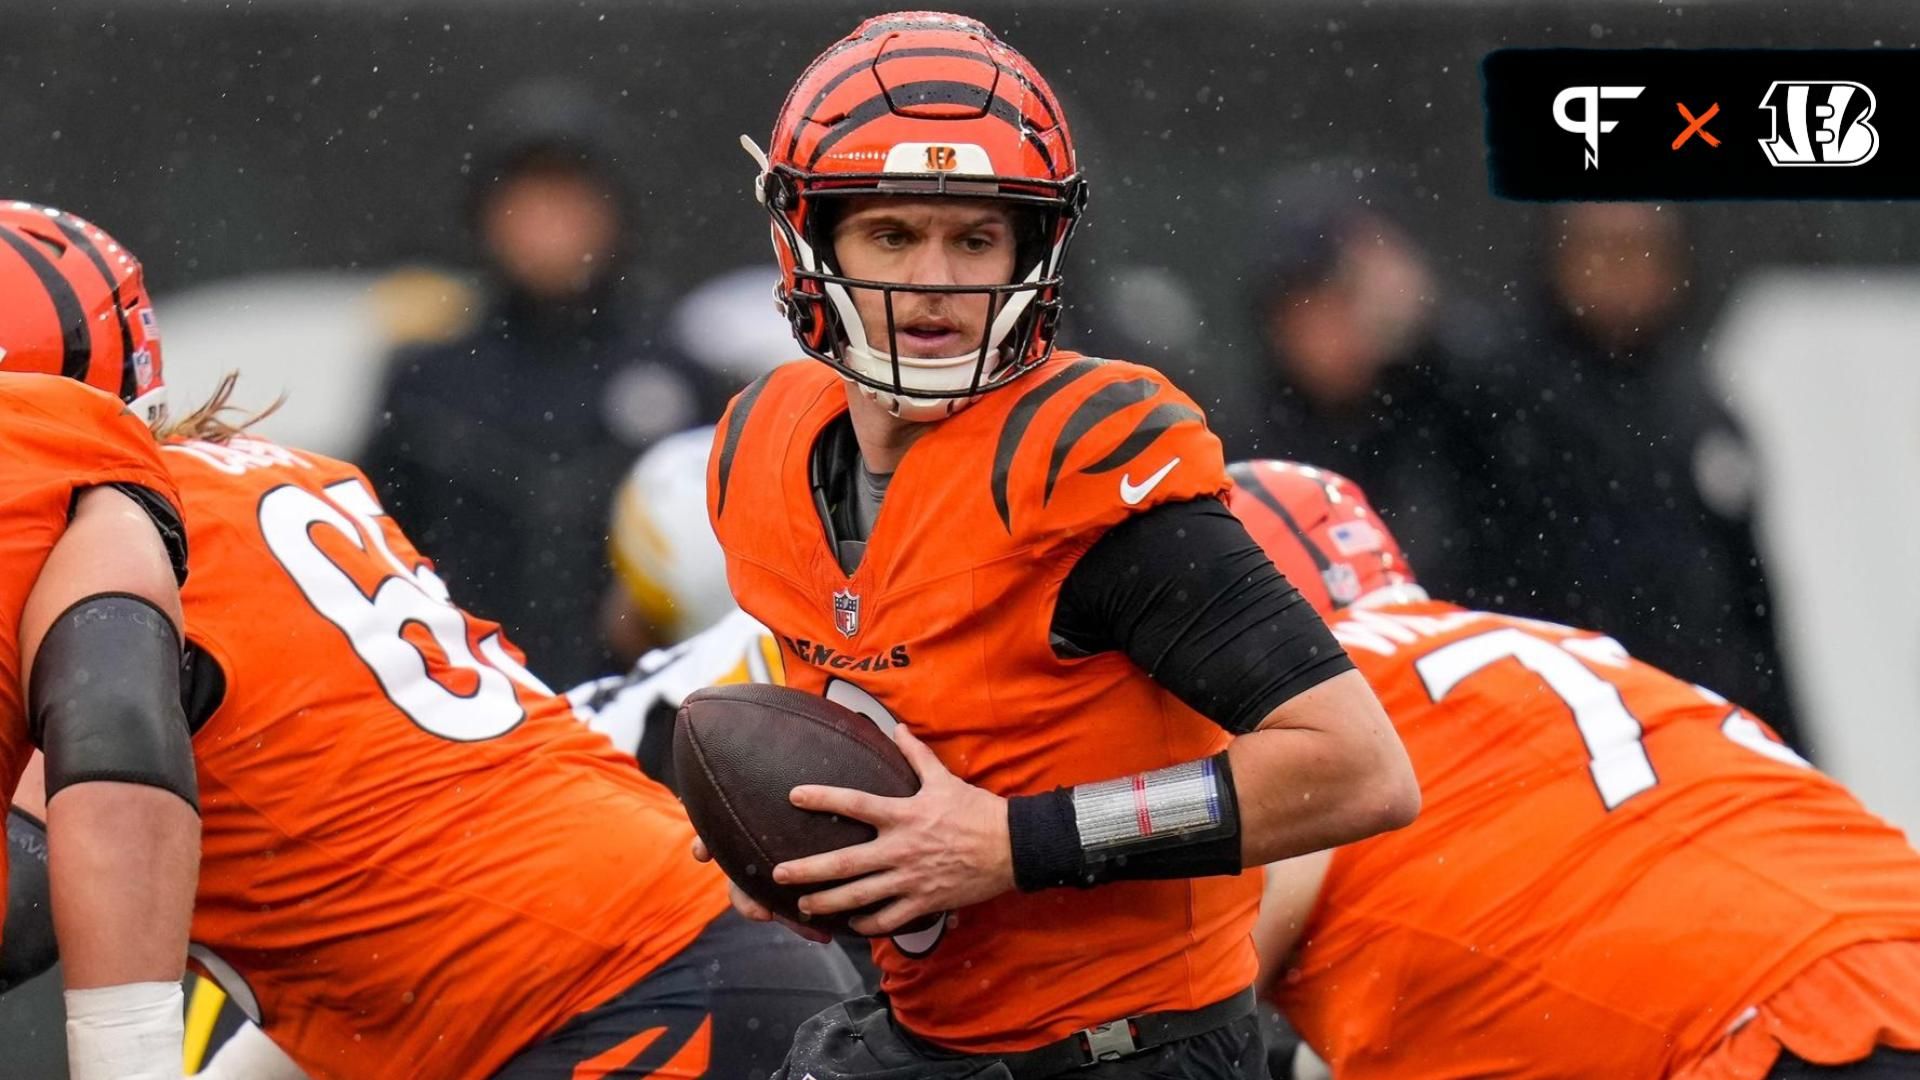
{"x":1044,"y":833}
{"x":1045,"y":841}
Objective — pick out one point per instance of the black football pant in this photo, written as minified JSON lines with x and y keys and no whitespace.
{"x":858,"y":1040}
{"x":725,"y":1007}
{"x":1883,"y":1064}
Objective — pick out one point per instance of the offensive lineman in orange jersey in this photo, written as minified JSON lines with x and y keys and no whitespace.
{"x":1615,"y":874}
{"x":1116,"y":704}
{"x":417,"y":862}
{"x":90,"y":545}
{"x":504,"y":894}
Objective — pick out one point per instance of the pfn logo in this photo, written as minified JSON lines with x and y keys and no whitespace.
{"x":1820,"y":123}
{"x":1589,"y":125}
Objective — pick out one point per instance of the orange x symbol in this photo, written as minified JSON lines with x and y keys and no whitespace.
{"x":1697,"y":125}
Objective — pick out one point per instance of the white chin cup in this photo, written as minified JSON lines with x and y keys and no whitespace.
{"x":939,"y":374}
{"x":936,"y":373}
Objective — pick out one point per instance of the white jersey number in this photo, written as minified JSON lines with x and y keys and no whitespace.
{"x":1615,"y":755}
{"x":375,"y":625}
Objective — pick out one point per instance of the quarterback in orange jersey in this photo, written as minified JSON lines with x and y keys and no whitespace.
{"x":1615,"y":873}
{"x":1019,"y":561}
{"x":90,"y":546}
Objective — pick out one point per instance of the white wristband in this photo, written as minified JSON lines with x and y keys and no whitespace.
{"x":132,"y":1031}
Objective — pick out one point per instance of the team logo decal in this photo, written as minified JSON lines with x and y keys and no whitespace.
{"x":1343,"y":584}
{"x":942,"y":159}
{"x":846,"y":612}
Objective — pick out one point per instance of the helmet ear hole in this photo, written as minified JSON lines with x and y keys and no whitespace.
{"x":804,"y":320}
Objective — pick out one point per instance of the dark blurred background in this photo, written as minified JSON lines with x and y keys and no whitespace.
{"x":223,"y":139}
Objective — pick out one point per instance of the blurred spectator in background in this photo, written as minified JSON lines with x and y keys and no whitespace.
{"x":1372,"y":370}
{"x":1619,"y":450}
{"x":501,"y":450}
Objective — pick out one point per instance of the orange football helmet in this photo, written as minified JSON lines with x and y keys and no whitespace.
{"x":74,"y":302}
{"x":921,"y":104}
{"x":1319,"y":529}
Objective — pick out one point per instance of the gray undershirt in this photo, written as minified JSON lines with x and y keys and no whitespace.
{"x":869,"y":490}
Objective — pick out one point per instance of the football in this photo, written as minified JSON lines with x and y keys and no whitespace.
{"x":738,"y":752}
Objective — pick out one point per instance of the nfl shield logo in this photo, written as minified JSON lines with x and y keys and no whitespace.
{"x":1343,"y":585}
{"x":846,"y":612}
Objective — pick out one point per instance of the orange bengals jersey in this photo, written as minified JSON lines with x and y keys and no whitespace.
{"x":415,"y":861}
{"x":1611,"y":866}
{"x":57,"y":437}
{"x":945,"y":626}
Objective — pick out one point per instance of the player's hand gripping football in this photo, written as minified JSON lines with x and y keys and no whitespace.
{"x":942,"y":849}
{"x":754,"y":909}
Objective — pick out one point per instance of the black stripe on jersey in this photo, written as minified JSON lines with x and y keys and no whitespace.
{"x":76,"y":340}
{"x":933,"y":92}
{"x":1243,"y":475}
{"x":1151,"y":426}
{"x":1019,"y":418}
{"x":128,"y":385}
{"x":736,"y":425}
{"x":1099,"y":405}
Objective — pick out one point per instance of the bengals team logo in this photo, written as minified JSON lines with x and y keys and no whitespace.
{"x":846,"y":612}
{"x":942,"y":159}
{"x":1820,"y":123}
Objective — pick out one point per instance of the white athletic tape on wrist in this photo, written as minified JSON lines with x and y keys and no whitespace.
{"x":132,"y":1031}
{"x":1158,"y":805}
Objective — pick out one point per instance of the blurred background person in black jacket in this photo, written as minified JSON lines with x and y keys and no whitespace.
{"x":501,"y":450}
{"x":1373,"y":369}
{"x":1627,"y":487}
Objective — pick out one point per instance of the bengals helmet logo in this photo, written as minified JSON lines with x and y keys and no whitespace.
{"x":1820,"y":123}
{"x":942,"y":159}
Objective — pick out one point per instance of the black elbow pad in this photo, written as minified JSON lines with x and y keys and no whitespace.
{"x":104,"y":699}
{"x":28,"y":947}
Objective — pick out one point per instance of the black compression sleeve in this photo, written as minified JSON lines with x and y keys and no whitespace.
{"x":1186,"y":594}
{"x":104,"y":699}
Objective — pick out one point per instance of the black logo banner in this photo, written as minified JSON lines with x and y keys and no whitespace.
{"x":1591,"y":124}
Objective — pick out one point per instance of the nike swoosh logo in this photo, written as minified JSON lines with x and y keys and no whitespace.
{"x":1131,"y":493}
